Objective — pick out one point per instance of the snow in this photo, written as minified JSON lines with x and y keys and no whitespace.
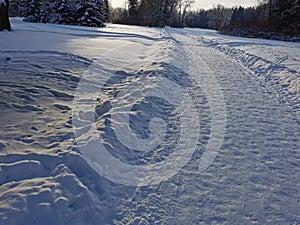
{"x":275,"y":62}
{"x":228,"y":155}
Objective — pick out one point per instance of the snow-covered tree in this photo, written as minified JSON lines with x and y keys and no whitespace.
{"x":14,"y":7}
{"x":23,"y":7}
{"x":32,"y":14}
{"x":79,"y":12}
{"x":62,"y":12}
{"x":91,"y":16}
{"x":45,"y":12}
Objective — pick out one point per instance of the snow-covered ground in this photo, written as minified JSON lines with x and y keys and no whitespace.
{"x":228,"y":154}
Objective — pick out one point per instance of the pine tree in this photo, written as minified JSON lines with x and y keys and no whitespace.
{"x":23,"y":8}
{"x":14,"y":7}
{"x":78,"y":12}
{"x":237,"y":18}
{"x":63,"y":12}
{"x":287,"y":9}
{"x":45,"y":12}
{"x":100,"y":12}
{"x":33,"y":12}
{"x":104,"y":8}
{"x":91,"y":16}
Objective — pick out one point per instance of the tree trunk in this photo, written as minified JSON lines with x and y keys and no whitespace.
{"x":4,"y":19}
{"x":270,"y":10}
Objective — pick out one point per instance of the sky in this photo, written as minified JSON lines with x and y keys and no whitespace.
{"x":204,"y":4}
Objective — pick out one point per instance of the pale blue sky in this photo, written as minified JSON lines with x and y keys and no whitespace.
{"x":204,"y":4}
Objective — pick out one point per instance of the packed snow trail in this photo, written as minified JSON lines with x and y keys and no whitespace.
{"x":252,"y":179}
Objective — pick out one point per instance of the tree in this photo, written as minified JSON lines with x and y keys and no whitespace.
{"x":91,"y":16}
{"x":269,"y":4}
{"x":23,"y":8}
{"x":150,"y":13}
{"x":287,"y":9}
{"x":157,"y":12}
{"x":14,"y":8}
{"x":69,"y":12}
{"x":62,"y":13}
{"x":133,"y":10}
{"x":105,"y":8}
{"x":33,"y":12}
{"x":197,"y":19}
{"x":183,"y":6}
{"x":119,"y":15}
{"x":238,"y":17}
{"x":45,"y":12}
{"x":219,"y":17}
{"x":4,"y":19}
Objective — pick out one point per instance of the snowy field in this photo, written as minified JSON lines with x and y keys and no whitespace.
{"x":136,"y":125}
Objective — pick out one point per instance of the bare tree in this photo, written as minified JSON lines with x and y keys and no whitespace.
{"x":183,"y":6}
{"x":219,"y":17}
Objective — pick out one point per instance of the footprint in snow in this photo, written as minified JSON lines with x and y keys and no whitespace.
{"x":62,"y":107}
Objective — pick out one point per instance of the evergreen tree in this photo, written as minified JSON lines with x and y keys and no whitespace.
{"x":63,"y":13}
{"x":197,"y":19}
{"x":23,"y":8}
{"x":104,"y":10}
{"x":45,"y":12}
{"x":14,"y":8}
{"x":91,"y":16}
{"x":79,"y":12}
{"x":287,"y":9}
{"x":237,"y":18}
{"x":33,"y":12}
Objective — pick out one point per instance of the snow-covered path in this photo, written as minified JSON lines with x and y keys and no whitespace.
{"x":255,"y":177}
{"x":246,"y":102}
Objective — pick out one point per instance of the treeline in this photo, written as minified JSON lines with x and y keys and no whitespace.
{"x":93,"y":13}
{"x":272,"y":19}
{"x":156,"y":13}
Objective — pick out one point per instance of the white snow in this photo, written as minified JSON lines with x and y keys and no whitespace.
{"x":245,"y":90}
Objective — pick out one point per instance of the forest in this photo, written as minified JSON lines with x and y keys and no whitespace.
{"x":271,"y":19}
{"x":93,"y":13}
